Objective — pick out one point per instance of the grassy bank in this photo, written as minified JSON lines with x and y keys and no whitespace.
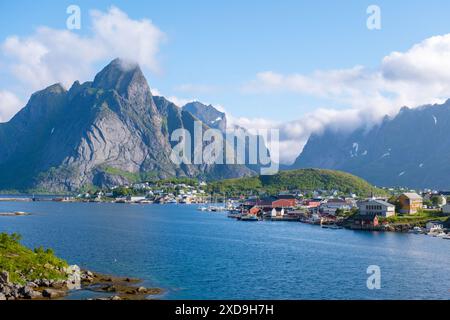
{"x":25,"y":265}
{"x":419,"y":219}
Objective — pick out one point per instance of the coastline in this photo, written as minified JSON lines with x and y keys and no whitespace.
{"x":114,"y":287}
{"x":39,"y":274}
{"x":407,"y":227}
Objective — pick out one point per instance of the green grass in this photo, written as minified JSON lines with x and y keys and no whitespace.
{"x":420,"y":218}
{"x":132,"y":177}
{"x":25,"y":265}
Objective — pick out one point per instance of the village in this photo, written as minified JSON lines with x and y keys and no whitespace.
{"x":421,"y":212}
{"x":411,"y":212}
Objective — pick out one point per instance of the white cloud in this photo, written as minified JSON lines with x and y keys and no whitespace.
{"x":9,"y":104}
{"x":130,"y":39}
{"x":413,"y":78}
{"x":180,"y":102}
{"x":51,"y":55}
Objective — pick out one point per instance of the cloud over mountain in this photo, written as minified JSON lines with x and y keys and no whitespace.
{"x":9,"y":104}
{"x":413,"y":78}
{"x":57,"y":55}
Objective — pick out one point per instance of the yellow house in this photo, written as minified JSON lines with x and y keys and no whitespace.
{"x":410,"y":203}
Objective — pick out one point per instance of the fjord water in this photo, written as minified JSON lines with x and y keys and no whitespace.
{"x":197,"y":255}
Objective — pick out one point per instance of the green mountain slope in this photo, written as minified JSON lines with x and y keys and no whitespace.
{"x":303,"y":179}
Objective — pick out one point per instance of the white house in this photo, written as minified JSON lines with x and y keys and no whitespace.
{"x":331,"y":205}
{"x":376,"y":207}
{"x":275,"y":213}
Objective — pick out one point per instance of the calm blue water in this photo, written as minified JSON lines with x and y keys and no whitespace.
{"x":195,"y":255}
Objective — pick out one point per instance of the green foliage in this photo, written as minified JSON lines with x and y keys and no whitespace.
{"x":131,"y":177}
{"x":346,"y":213}
{"x":122,"y":192}
{"x":89,"y":188}
{"x":304,"y":179}
{"x":419,"y":219}
{"x":181,"y":180}
{"x":394,"y":200}
{"x":24,"y":264}
{"x":436,"y":200}
{"x":236,"y":187}
{"x":428,"y":203}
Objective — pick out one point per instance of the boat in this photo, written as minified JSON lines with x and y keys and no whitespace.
{"x":249,"y":217}
{"x":416,"y":230}
{"x":446,"y":237}
{"x":330,"y":226}
{"x":202,"y":209}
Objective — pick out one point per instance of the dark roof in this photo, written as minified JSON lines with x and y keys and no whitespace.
{"x":286,"y":196}
{"x":381,"y":202}
{"x":268,"y":199}
{"x":337,"y":200}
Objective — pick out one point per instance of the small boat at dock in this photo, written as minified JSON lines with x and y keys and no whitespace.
{"x":249,"y":217}
{"x":330,"y":226}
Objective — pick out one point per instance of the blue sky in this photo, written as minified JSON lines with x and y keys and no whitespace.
{"x":212,"y":50}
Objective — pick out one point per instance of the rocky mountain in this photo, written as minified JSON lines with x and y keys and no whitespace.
{"x":208,"y":115}
{"x":106,"y":132}
{"x":218,"y":120}
{"x":412,"y":150}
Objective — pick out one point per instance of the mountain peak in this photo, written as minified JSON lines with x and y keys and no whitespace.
{"x":56,"y":88}
{"x":48,"y":93}
{"x":207,"y":114}
{"x":122,"y":76}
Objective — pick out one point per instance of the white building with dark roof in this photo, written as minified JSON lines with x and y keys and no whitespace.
{"x":376,"y":207}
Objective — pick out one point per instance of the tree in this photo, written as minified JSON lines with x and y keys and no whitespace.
{"x":122,"y":192}
{"x":436,"y":200}
{"x":394,"y":200}
{"x":427,"y":203}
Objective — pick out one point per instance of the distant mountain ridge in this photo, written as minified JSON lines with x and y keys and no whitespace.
{"x":97,"y":133}
{"x":411,"y":150}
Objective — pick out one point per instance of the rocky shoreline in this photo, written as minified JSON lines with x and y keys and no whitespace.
{"x":117,"y":288}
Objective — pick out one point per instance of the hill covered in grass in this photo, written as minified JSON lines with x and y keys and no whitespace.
{"x":304,"y":180}
{"x":24,"y":265}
